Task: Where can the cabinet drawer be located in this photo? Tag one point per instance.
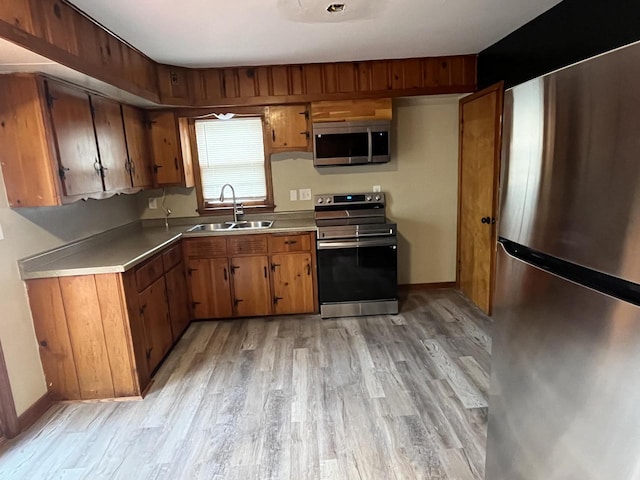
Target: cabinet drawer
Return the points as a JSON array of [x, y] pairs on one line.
[[149, 272], [206, 247], [289, 243], [247, 244], [172, 257]]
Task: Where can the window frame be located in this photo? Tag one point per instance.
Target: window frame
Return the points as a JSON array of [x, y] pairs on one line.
[[207, 208]]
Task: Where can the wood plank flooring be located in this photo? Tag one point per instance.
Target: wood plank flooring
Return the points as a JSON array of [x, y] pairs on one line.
[[297, 397]]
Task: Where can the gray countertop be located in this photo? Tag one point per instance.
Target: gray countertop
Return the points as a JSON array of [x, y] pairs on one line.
[[123, 248]]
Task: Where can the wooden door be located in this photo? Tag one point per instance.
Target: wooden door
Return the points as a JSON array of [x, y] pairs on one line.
[[178, 300], [75, 140], [292, 283], [251, 295], [157, 326], [137, 146], [480, 141], [289, 127], [112, 147], [165, 146], [209, 282]]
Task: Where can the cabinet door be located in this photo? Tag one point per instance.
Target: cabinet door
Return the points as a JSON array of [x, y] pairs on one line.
[[292, 283], [289, 128], [251, 286], [137, 146], [169, 165], [107, 119], [155, 315], [75, 140], [178, 299], [209, 281]]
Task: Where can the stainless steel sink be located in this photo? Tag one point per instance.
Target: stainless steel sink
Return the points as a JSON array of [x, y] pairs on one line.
[[253, 225], [222, 227]]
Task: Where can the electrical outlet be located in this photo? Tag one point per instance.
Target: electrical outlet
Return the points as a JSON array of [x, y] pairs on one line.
[[1, 234], [293, 195], [153, 203], [376, 188], [305, 194]]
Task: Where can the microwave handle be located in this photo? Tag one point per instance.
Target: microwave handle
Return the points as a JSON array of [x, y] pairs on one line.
[[370, 144]]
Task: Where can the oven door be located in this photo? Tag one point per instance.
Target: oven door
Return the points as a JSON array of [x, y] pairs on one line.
[[363, 270]]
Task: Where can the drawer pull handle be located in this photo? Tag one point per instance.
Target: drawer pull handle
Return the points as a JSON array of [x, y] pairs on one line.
[[290, 242]]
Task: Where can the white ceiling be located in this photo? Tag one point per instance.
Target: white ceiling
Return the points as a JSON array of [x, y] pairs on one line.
[[266, 32]]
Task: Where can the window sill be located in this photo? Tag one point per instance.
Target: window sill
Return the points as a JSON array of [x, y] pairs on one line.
[[229, 210]]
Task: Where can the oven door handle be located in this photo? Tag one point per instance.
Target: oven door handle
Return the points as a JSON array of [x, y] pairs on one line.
[[379, 242]]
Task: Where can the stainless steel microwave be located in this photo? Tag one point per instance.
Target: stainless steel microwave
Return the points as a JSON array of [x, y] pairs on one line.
[[351, 143]]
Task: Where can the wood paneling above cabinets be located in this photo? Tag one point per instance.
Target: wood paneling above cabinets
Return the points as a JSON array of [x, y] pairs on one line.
[[315, 82], [56, 30]]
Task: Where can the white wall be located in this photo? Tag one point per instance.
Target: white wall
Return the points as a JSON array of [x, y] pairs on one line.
[[30, 231], [421, 182]]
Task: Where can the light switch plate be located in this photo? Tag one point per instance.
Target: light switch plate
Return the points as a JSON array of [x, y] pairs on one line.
[[153, 203], [305, 194], [1, 233], [293, 195], [376, 188]]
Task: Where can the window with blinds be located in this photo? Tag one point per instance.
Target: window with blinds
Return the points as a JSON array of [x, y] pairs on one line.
[[232, 151]]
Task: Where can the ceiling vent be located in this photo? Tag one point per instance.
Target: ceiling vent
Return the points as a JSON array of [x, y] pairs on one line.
[[317, 11]]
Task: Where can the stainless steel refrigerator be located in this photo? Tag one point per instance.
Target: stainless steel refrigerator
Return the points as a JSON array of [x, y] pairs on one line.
[[565, 385]]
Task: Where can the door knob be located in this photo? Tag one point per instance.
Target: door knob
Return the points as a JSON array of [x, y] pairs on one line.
[[488, 220]]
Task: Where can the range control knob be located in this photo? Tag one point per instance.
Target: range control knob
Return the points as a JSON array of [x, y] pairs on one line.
[[329, 200], [368, 198], [320, 200], [378, 197]]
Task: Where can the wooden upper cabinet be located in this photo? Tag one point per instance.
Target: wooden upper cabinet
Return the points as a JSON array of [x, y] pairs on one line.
[[171, 153], [289, 128], [28, 158], [352, 110], [61, 144], [112, 146], [75, 140], [135, 129]]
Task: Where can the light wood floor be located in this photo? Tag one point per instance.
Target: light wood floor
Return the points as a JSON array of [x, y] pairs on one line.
[[381, 397]]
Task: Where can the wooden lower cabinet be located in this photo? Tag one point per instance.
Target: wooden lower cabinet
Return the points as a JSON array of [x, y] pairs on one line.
[[292, 283], [251, 275], [251, 295], [210, 288], [178, 298], [102, 336], [154, 310]]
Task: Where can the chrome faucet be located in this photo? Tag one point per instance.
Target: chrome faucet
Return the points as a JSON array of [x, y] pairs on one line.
[[238, 211]]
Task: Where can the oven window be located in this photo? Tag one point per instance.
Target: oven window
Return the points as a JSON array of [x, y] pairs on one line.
[[338, 145], [357, 274]]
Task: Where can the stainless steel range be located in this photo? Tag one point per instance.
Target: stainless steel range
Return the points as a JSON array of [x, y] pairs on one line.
[[357, 255]]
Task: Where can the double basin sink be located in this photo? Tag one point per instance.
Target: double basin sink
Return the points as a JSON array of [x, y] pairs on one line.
[[227, 226]]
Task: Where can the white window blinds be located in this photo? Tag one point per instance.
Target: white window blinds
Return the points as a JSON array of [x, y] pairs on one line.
[[232, 151]]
